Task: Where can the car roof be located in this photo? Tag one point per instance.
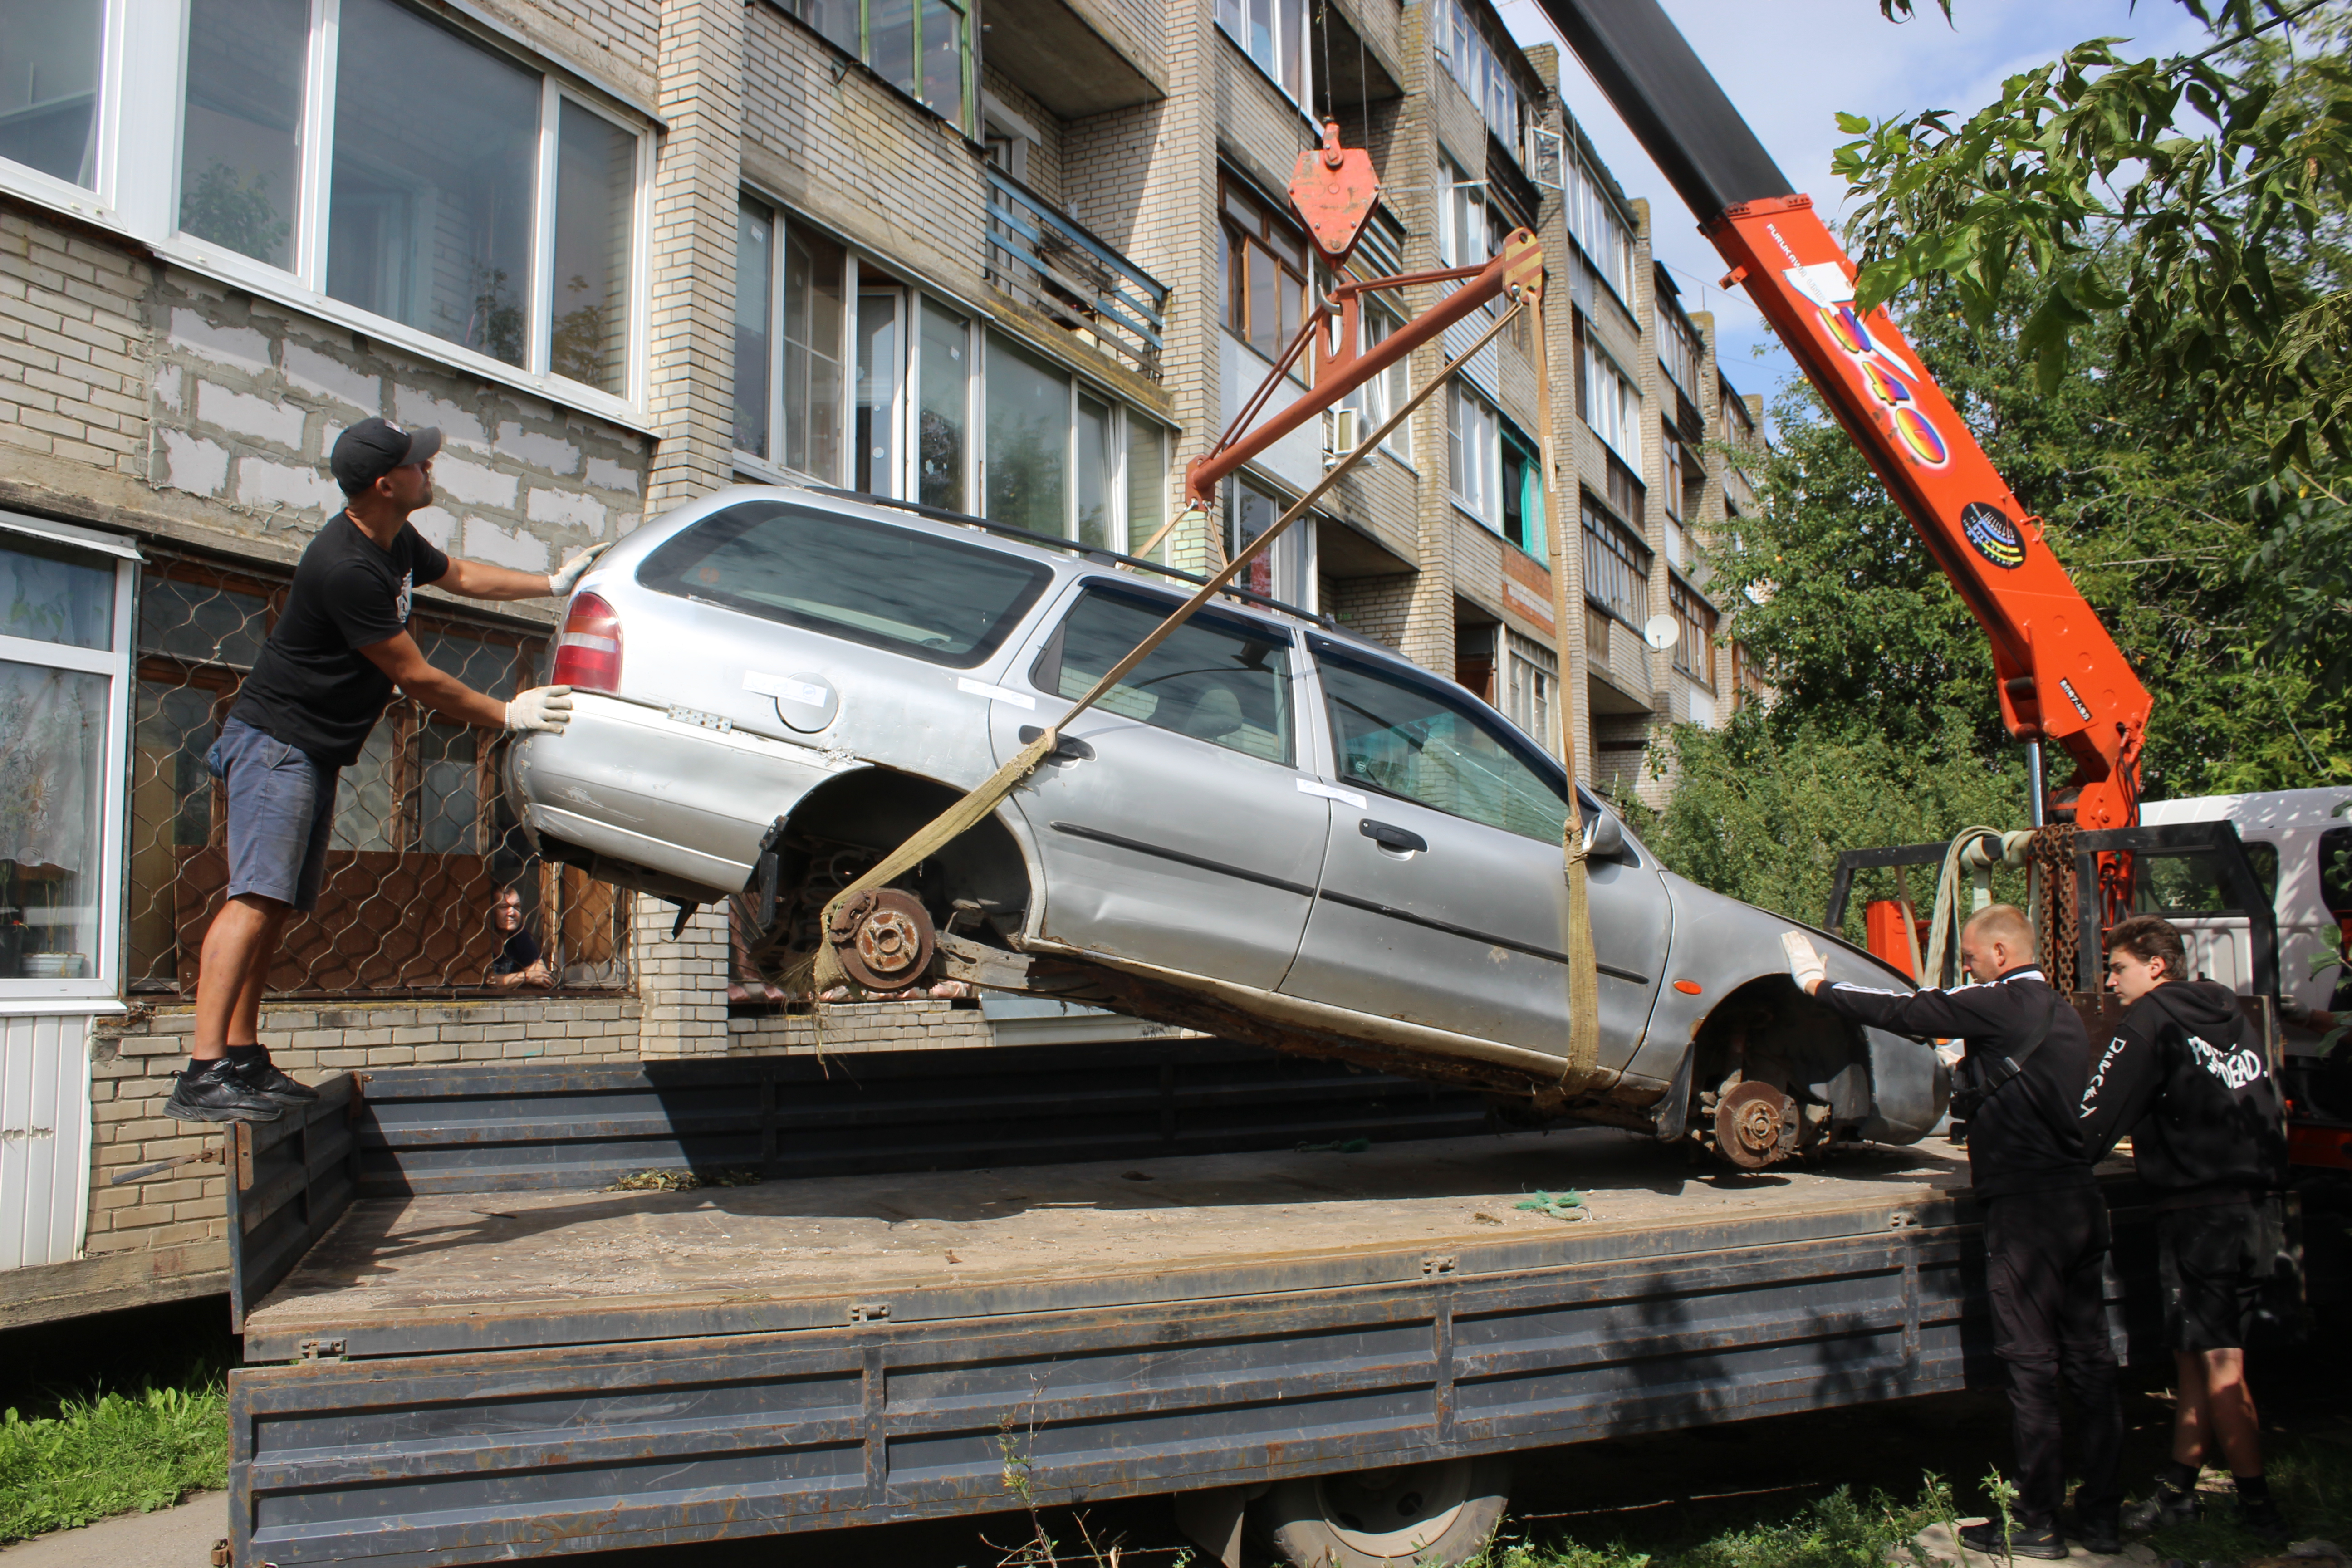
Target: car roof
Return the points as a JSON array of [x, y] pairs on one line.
[[1048, 548], [2271, 808]]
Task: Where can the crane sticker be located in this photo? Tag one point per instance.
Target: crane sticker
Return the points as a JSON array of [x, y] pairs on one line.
[[1994, 535], [1885, 377]]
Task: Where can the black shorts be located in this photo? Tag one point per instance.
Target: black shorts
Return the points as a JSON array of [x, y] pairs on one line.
[[2207, 1258]]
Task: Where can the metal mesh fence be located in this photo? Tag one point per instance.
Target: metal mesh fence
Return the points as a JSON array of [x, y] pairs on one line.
[[424, 846]]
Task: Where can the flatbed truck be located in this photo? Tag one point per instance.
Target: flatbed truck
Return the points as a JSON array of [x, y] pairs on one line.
[[1304, 1299]]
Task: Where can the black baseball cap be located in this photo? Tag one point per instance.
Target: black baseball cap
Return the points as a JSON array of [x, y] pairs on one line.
[[373, 447]]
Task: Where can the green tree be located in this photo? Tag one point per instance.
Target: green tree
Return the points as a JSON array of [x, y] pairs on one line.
[[2176, 223], [1885, 728]]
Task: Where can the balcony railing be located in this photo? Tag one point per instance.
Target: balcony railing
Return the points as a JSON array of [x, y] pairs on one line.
[[1049, 262]]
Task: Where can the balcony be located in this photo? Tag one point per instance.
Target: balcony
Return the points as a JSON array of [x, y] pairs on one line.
[[1049, 262]]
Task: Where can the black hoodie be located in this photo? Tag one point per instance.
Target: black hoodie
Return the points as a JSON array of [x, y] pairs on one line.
[[2187, 1076], [2025, 1138]]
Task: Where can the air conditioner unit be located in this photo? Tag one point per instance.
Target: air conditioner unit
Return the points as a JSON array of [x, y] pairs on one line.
[[1347, 431]]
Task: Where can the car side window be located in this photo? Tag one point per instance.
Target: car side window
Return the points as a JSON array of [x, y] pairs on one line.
[[1219, 678], [1406, 735]]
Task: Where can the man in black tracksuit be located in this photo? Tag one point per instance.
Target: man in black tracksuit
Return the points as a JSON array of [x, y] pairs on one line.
[[2186, 1076], [2045, 1221]]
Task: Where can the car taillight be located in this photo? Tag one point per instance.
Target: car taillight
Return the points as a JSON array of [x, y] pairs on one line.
[[588, 654]]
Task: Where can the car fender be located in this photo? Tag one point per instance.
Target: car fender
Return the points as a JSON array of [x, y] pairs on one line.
[[1885, 1087]]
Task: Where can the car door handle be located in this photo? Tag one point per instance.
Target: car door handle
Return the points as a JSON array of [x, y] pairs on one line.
[[1066, 750], [1389, 837]]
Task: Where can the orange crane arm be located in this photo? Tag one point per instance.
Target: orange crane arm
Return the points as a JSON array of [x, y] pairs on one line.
[[2061, 678]]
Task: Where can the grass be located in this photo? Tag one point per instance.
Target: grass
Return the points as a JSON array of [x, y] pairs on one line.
[[112, 1453], [2311, 1477], [1835, 1532]]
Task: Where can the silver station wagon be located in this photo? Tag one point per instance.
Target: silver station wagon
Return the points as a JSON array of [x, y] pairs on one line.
[[1271, 830]]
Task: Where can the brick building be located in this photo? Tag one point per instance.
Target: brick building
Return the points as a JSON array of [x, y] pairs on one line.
[[1022, 258]]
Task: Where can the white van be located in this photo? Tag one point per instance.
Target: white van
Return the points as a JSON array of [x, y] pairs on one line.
[[2292, 836]]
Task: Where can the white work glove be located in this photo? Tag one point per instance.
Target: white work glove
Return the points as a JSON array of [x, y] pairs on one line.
[[547, 708], [1807, 967], [560, 582]]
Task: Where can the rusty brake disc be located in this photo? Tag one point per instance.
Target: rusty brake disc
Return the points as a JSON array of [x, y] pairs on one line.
[[883, 939]]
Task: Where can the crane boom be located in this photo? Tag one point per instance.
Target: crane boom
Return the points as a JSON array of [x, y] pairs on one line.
[[2060, 677]]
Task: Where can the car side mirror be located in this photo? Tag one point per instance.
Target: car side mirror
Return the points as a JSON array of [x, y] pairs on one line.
[[1605, 839]]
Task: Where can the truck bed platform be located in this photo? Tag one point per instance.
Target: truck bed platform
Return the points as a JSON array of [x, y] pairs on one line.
[[485, 1355]]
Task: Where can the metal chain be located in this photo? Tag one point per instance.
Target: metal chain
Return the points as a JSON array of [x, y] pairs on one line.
[[2059, 911]]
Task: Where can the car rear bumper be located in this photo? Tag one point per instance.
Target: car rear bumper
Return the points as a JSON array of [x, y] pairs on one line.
[[634, 784]]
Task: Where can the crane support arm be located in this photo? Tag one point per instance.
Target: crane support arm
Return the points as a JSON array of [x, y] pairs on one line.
[[2060, 678]]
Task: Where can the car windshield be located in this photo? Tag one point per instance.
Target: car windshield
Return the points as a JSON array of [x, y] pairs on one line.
[[938, 600]]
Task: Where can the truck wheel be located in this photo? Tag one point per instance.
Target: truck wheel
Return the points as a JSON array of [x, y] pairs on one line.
[[1418, 1515]]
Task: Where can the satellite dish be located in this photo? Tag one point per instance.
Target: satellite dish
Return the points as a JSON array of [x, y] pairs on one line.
[[1661, 632]]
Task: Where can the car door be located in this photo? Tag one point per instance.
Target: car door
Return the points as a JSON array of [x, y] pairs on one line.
[[1172, 825], [1444, 899]]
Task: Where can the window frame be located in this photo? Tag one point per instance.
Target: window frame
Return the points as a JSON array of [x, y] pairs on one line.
[[99, 991], [1486, 504], [1117, 493], [142, 87], [1233, 272], [1603, 531], [1233, 22], [1483, 75], [968, 59], [1045, 671], [1696, 623], [1384, 393], [1601, 374]]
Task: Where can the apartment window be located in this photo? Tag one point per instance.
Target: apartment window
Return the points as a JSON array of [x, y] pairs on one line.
[[1282, 571], [1671, 481], [1378, 399], [1603, 232], [1625, 494], [64, 661], [1522, 493], [1065, 460], [942, 444], [467, 198], [1462, 223], [1479, 67], [922, 47], [1611, 405], [1264, 272], [51, 61], [1679, 351], [1531, 687], [1695, 622], [1274, 34], [420, 841], [1616, 566], [1473, 454], [792, 288]]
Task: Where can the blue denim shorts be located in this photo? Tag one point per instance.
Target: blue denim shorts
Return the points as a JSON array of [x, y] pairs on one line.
[[282, 811]]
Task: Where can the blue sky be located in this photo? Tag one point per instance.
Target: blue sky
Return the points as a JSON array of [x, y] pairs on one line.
[[1792, 66]]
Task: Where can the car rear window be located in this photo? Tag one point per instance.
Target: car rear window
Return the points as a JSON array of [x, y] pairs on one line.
[[938, 600], [1219, 678]]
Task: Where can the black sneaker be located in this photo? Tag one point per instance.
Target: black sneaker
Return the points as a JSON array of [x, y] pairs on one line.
[[2019, 1540], [2099, 1531], [2164, 1509], [264, 1078], [213, 1093], [2263, 1521]]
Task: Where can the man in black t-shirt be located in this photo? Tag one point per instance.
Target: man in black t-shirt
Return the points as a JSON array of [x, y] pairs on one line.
[[339, 649], [2045, 1229]]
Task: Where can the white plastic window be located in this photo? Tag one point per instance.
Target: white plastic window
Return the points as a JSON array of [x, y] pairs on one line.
[[65, 663]]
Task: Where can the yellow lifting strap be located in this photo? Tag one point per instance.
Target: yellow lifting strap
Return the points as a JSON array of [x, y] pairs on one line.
[[1583, 982], [1583, 965]]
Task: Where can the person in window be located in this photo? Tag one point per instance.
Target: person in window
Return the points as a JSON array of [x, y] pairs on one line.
[[520, 962], [2045, 1232], [332, 661], [2186, 1076]]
